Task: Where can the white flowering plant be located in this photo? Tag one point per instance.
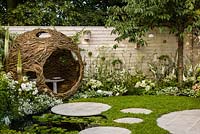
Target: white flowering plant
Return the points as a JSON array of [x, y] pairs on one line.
[[119, 90], [146, 86], [94, 84], [107, 83], [22, 98], [169, 91]]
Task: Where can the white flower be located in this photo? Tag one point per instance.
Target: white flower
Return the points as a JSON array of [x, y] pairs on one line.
[[117, 94], [23, 86], [143, 84], [184, 78], [147, 88], [16, 82], [163, 70], [35, 92], [152, 84], [94, 84], [25, 78], [6, 120], [137, 84], [99, 91], [109, 93]]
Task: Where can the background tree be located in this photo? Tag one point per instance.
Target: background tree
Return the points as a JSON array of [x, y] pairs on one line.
[[94, 12], [3, 7], [43, 12], [137, 17], [57, 12]]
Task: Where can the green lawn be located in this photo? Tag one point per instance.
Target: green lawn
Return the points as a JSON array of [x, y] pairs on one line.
[[158, 104]]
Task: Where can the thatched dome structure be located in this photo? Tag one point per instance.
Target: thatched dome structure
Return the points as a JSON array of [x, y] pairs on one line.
[[48, 54]]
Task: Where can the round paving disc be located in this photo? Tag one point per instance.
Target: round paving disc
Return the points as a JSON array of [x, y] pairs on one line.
[[136, 111], [128, 120], [80, 109], [181, 122], [105, 130]]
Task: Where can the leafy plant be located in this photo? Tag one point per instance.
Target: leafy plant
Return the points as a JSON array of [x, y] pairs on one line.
[[10, 131], [76, 37], [144, 87], [57, 123], [162, 67], [169, 91], [38, 129], [22, 99]]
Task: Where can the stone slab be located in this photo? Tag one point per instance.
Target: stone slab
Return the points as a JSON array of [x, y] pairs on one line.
[[128, 120], [80, 109], [136, 111], [105, 130], [181, 122]]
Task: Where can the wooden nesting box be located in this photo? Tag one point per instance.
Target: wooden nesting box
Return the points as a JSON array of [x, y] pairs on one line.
[[48, 54]]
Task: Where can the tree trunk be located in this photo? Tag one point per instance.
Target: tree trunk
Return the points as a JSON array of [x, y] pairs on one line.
[[180, 60]]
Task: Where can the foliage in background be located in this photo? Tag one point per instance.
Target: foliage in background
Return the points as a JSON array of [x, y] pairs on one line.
[[54, 12], [43, 13], [3, 10]]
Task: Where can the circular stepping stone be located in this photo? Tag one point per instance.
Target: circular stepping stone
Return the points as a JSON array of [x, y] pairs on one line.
[[128, 120], [181, 122], [80, 109], [105, 130], [136, 111]]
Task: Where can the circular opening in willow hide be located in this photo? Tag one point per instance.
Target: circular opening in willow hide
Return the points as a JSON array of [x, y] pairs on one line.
[[61, 64], [43, 34]]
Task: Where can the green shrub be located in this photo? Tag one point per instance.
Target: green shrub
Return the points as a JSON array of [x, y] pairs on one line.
[[38, 129], [8, 131], [18, 100]]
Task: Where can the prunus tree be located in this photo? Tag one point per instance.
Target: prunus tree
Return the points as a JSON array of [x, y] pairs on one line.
[[137, 17]]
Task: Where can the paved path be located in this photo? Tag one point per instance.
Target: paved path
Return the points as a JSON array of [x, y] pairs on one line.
[[181, 122]]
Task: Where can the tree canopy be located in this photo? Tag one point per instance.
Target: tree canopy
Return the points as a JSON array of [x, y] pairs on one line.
[[56, 12], [3, 7], [137, 17]]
